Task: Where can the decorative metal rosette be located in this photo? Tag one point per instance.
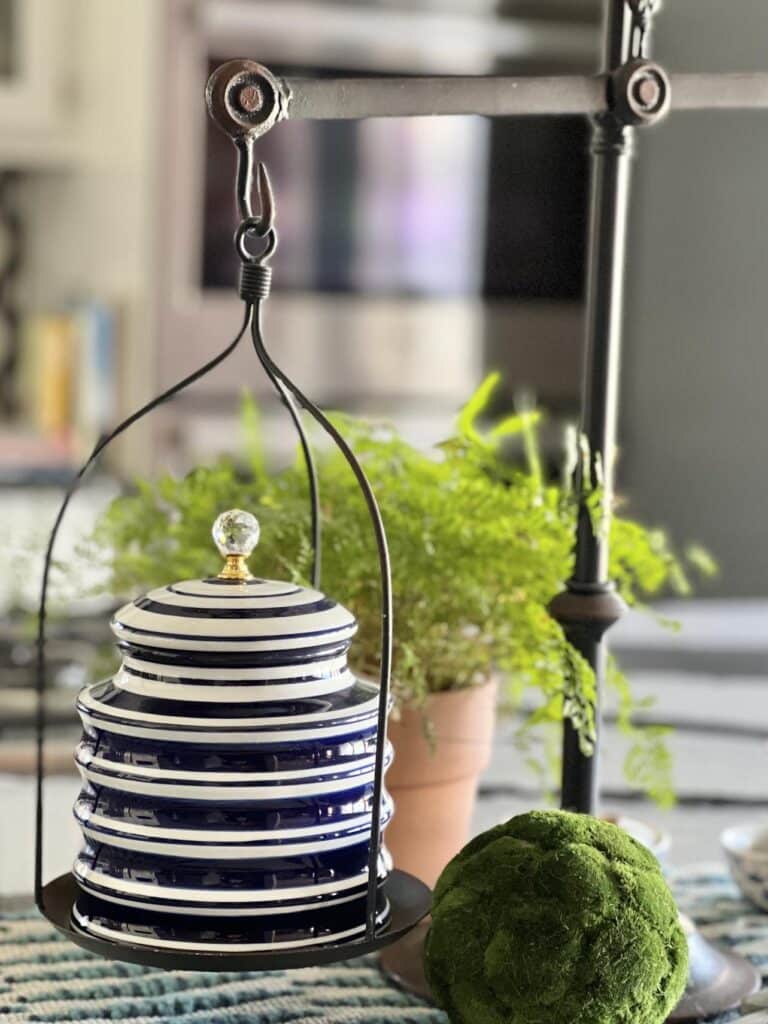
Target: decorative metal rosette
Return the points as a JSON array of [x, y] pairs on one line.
[[229, 768]]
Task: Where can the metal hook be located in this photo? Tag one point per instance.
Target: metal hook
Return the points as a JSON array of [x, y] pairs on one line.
[[260, 224], [642, 14], [264, 220]]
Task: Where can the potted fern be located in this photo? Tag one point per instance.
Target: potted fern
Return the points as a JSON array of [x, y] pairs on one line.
[[480, 544]]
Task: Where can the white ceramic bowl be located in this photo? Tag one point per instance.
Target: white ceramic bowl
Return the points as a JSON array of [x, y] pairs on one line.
[[746, 850]]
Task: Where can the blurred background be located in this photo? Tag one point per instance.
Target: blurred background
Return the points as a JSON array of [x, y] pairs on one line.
[[407, 246]]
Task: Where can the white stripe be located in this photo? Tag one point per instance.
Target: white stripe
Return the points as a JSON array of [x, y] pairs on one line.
[[188, 643], [362, 712], [252, 736], [320, 668], [132, 617], [82, 756], [219, 694], [287, 599], [264, 588], [208, 794]]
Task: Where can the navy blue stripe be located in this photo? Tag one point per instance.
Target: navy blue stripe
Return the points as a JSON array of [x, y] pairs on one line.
[[331, 811], [240, 844], [206, 612], [250, 755], [331, 918], [190, 681], [241, 638], [273, 877], [234, 659], [344, 705], [313, 729]]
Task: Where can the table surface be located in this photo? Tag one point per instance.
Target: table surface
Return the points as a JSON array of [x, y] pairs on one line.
[[46, 980]]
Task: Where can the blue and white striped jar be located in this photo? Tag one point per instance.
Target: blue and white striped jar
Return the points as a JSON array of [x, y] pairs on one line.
[[228, 768]]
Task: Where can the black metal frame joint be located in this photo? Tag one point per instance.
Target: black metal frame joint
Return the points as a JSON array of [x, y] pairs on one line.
[[639, 93], [587, 610]]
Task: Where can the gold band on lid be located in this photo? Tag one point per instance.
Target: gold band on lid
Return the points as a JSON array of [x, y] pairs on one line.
[[235, 568], [236, 534]]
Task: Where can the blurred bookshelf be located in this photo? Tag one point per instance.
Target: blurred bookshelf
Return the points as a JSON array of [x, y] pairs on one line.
[[65, 393]]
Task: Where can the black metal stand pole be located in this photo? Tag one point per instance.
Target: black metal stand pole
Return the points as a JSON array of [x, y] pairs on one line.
[[590, 605]]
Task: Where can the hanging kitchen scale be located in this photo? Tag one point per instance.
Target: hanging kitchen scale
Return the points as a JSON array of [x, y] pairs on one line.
[[233, 802]]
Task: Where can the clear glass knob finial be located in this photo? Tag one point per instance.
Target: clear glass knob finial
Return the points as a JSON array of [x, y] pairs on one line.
[[236, 534]]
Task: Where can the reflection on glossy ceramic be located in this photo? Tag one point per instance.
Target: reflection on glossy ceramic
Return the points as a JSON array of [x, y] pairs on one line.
[[228, 772]]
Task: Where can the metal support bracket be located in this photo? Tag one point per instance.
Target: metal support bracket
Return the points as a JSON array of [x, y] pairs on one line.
[[639, 93]]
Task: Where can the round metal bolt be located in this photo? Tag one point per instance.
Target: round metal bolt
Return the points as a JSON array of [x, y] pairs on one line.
[[640, 92], [647, 92], [245, 98], [250, 98]]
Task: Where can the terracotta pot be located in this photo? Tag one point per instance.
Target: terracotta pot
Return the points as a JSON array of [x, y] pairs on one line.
[[434, 785]]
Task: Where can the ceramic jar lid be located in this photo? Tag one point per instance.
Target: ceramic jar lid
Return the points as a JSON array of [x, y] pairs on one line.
[[235, 639], [234, 613]]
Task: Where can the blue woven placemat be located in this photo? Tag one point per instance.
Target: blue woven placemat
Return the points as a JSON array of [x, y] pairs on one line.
[[46, 980]]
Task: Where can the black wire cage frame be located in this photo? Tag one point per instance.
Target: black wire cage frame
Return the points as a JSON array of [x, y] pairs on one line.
[[247, 100], [408, 898]]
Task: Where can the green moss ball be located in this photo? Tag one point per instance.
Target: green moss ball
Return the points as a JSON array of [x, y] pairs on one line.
[[555, 918]]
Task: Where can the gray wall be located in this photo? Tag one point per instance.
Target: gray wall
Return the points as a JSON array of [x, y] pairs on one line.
[[695, 419]]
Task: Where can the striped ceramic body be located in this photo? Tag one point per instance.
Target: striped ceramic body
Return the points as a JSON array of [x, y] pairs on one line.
[[228, 773]]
